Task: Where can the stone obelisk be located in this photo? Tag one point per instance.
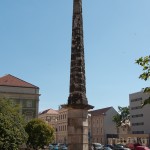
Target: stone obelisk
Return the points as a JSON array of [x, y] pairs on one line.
[[77, 102]]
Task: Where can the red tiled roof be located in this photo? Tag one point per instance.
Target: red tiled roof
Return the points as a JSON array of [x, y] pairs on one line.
[[49, 111], [100, 111], [9, 80]]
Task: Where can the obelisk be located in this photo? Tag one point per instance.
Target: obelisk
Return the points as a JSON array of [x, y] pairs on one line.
[[77, 101]]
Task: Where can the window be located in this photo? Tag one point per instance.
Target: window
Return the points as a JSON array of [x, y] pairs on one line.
[[138, 115], [136, 99], [138, 124], [138, 132], [29, 103], [65, 127], [137, 107], [101, 130], [28, 116], [48, 118]]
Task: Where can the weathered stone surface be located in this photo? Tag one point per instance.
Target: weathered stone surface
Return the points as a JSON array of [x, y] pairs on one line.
[[77, 129], [78, 113], [77, 71]]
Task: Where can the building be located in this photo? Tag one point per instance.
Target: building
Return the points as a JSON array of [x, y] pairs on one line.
[[21, 92], [62, 131], [139, 116], [101, 126], [58, 119], [51, 117]]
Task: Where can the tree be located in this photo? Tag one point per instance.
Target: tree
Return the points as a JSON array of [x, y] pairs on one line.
[[40, 133], [122, 118], [12, 132], [144, 62]]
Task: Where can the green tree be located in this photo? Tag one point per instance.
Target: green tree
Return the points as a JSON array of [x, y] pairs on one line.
[[144, 62], [122, 118], [117, 120], [40, 133], [12, 132]]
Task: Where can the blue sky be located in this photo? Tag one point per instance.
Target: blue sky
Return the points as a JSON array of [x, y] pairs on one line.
[[35, 45]]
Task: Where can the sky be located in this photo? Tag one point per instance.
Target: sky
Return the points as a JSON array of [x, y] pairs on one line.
[[35, 46]]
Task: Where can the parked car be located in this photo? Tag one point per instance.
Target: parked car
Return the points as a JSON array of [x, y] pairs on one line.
[[97, 146], [55, 147], [142, 148], [106, 148], [51, 147], [120, 147], [109, 145], [63, 147], [130, 145]]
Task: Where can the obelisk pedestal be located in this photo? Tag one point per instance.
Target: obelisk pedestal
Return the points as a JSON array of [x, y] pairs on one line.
[[77, 129]]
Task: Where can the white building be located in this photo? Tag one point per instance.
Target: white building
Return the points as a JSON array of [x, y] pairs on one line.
[[139, 116]]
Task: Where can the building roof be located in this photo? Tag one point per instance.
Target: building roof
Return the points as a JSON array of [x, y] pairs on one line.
[[49, 111], [100, 111], [9, 80]]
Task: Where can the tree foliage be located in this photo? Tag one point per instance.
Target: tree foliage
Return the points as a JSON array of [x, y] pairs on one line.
[[122, 116], [12, 132], [40, 133], [144, 62], [117, 120]]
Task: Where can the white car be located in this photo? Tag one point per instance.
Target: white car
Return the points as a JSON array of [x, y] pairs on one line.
[[97, 146]]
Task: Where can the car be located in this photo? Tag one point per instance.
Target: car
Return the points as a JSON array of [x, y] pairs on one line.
[[55, 147], [142, 148], [130, 145], [97, 146], [63, 147], [120, 147], [109, 145], [51, 147], [106, 148]]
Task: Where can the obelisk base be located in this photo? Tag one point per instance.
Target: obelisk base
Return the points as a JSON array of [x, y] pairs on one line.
[[77, 129]]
